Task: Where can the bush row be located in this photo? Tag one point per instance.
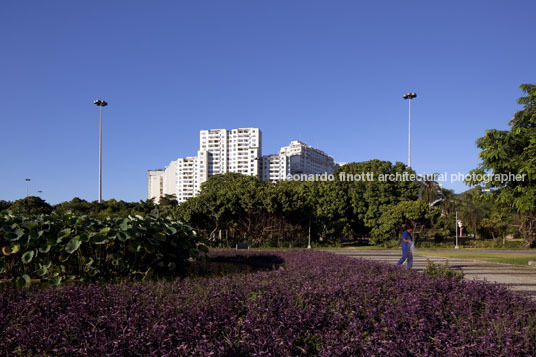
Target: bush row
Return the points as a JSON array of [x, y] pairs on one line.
[[53, 248]]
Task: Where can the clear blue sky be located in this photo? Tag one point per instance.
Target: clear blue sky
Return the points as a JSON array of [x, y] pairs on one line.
[[329, 73]]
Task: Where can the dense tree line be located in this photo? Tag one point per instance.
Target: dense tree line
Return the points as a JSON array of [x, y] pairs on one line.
[[33, 205], [350, 207]]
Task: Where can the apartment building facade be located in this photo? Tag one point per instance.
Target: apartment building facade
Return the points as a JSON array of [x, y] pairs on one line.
[[294, 159], [220, 151], [239, 151], [155, 184]]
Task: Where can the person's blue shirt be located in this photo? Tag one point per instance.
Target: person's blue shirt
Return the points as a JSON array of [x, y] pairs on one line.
[[406, 235]]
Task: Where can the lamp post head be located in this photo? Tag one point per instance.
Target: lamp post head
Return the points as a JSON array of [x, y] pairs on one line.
[[100, 103], [409, 95], [27, 180]]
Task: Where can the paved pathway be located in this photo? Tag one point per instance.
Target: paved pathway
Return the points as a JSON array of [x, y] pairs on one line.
[[517, 277]]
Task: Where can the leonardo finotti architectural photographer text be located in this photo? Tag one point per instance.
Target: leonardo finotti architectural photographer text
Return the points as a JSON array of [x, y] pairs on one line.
[[444, 177]]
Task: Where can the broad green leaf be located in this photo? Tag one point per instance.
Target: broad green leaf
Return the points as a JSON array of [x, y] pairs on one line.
[[125, 224], [55, 281], [28, 256], [122, 236], [64, 233], [15, 248], [30, 224], [72, 246], [45, 249], [11, 236], [99, 240], [24, 281], [42, 271], [172, 230]]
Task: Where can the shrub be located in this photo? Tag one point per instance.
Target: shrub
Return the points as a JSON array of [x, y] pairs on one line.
[[52, 248], [436, 271], [392, 243]]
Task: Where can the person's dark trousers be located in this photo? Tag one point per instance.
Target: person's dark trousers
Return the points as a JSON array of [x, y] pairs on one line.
[[406, 254]]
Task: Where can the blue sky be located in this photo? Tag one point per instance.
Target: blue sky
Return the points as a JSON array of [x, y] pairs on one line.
[[329, 73]]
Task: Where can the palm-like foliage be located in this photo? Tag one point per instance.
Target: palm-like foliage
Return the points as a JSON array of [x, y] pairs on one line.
[[449, 202], [473, 209], [431, 191]]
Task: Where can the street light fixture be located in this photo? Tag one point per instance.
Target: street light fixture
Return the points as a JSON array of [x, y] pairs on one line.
[[309, 237], [27, 185], [101, 103], [409, 96], [456, 227]]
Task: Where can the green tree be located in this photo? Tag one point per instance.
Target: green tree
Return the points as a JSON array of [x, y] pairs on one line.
[[230, 202], [513, 152], [425, 220], [473, 209], [4, 205], [31, 205], [369, 195], [430, 191], [449, 202], [166, 205], [498, 222], [76, 206]]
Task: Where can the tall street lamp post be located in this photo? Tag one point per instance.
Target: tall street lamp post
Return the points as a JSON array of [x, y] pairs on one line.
[[457, 247], [409, 96], [309, 237], [101, 103], [27, 185]]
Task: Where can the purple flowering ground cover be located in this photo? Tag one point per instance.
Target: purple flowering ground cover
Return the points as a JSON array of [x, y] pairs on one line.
[[316, 303]]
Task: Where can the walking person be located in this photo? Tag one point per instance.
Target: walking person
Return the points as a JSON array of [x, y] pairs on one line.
[[407, 253]]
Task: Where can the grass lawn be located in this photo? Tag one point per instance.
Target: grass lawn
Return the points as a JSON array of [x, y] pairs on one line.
[[507, 258]]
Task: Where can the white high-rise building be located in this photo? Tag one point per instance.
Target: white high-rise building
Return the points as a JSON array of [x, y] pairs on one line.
[[202, 168], [273, 167], [155, 184], [304, 159], [187, 185], [215, 142], [169, 180], [297, 158], [238, 151], [220, 151], [244, 151]]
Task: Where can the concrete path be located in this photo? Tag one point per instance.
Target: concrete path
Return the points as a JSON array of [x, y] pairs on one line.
[[516, 277]]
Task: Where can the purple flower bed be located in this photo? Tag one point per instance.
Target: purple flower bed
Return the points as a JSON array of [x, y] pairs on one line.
[[315, 304]]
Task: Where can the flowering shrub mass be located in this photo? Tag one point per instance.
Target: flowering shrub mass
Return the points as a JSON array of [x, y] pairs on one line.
[[316, 303]]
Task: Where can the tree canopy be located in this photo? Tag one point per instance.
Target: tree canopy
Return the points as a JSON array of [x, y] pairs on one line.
[[508, 162]]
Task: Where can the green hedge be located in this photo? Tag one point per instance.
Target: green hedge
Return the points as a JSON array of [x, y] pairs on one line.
[[54, 248]]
